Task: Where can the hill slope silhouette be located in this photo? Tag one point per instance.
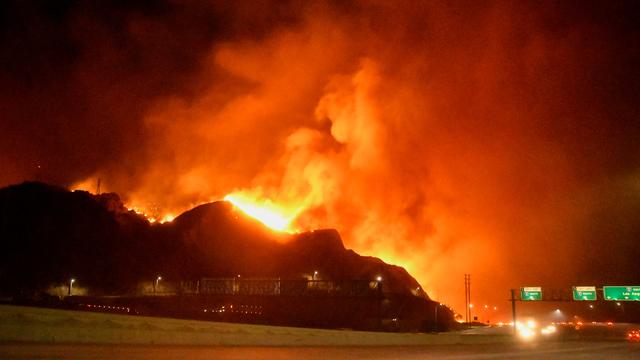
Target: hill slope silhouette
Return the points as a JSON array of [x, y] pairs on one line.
[[49, 234]]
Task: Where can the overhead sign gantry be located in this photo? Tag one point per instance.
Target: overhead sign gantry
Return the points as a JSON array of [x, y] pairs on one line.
[[621, 293], [584, 293], [531, 293]]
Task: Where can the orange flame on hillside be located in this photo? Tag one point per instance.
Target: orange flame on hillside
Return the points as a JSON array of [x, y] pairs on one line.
[[89, 185], [274, 216]]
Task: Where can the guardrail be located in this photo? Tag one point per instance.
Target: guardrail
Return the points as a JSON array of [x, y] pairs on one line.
[[279, 287]]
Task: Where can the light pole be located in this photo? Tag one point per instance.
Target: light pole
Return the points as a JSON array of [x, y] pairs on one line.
[[381, 295], [155, 287], [71, 285], [315, 275], [485, 317]]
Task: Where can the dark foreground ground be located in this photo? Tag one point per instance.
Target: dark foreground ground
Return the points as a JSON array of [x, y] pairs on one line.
[[547, 350], [33, 333]]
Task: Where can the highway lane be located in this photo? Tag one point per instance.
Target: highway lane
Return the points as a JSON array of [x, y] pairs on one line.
[[534, 350]]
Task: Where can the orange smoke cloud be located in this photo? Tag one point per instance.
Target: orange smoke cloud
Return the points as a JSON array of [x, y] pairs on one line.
[[449, 139]]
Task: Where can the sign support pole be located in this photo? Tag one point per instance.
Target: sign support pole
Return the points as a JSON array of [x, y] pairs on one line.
[[513, 310]]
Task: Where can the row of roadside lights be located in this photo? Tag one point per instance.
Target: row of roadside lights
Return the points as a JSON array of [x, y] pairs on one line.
[[72, 281], [486, 307], [315, 276]]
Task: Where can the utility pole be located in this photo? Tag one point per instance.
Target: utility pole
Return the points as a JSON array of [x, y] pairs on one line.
[[469, 292], [467, 297], [466, 300]]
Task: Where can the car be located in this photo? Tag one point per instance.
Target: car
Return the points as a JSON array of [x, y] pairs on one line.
[[633, 335]]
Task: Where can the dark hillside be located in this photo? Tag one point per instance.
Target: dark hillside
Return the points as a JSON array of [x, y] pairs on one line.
[[49, 235]]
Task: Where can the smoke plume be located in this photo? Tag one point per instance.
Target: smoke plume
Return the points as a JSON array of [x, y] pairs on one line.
[[496, 139]]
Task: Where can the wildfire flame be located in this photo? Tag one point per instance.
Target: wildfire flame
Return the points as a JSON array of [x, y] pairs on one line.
[[167, 218], [89, 185], [274, 216], [152, 219]]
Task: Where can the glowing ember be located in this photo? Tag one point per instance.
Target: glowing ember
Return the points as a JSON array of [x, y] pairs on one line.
[[152, 219], [274, 216], [90, 185], [141, 212], [167, 218]]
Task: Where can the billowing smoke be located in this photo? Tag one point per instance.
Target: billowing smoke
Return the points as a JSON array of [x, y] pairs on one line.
[[497, 139]]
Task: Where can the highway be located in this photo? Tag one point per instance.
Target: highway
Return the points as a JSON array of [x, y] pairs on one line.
[[35, 333], [549, 350]]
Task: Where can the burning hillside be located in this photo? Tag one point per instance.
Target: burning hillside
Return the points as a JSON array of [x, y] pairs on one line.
[[96, 240]]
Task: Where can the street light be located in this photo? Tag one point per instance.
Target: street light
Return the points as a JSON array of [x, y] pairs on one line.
[[379, 278], [156, 286], [71, 285], [315, 275], [558, 314]]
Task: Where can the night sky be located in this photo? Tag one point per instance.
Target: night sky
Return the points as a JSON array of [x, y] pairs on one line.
[[500, 139]]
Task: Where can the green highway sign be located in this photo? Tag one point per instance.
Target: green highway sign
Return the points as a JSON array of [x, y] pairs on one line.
[[621, 293], [584, 293], [531, 293]]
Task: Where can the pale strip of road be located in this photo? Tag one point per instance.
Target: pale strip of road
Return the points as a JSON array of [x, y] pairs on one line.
[[550, 350]]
